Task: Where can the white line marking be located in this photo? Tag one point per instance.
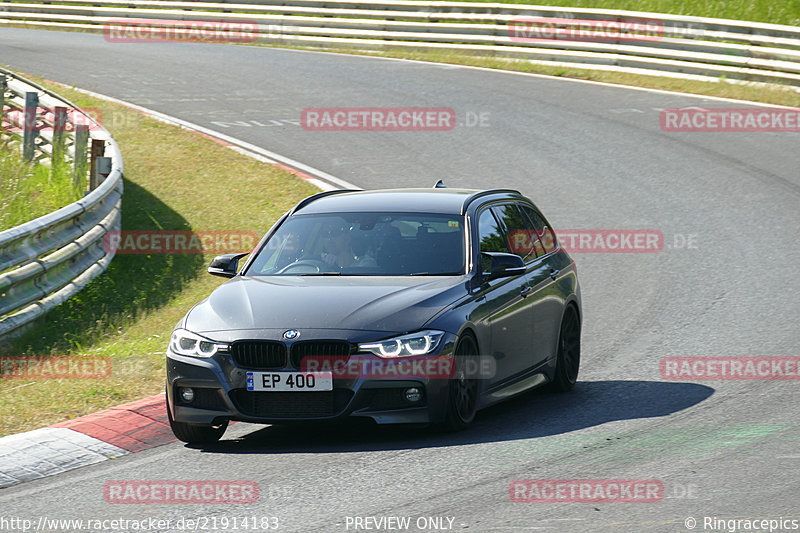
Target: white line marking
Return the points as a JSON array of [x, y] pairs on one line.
[[549, 77], [271, 157]]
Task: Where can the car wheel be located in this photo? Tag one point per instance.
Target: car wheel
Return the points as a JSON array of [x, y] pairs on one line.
[[463, 391], [194, 434], [568, 359]]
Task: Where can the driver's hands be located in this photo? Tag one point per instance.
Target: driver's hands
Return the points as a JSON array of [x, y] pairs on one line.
[[328, 259]]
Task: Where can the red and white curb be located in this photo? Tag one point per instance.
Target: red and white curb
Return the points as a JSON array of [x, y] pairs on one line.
[[107, 434]]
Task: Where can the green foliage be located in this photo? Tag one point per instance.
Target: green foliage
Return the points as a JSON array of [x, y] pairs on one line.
[[30, 190], [780, 12]]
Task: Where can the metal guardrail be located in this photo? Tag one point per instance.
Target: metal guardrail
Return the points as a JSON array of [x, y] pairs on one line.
[[683, 46], [45, 261]]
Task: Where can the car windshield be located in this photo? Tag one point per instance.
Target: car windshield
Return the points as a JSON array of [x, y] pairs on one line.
[[364, 244]]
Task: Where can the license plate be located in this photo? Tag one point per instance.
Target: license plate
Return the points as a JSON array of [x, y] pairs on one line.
[[290, 381]]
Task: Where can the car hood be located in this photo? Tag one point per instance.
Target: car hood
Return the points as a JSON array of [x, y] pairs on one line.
[[386, 304]]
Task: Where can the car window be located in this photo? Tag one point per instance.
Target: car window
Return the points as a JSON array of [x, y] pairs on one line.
[[490, 237], [490, 234], [545, 233], [522, 240], [383, 244]]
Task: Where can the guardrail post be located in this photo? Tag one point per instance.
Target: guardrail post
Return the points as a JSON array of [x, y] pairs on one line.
[[3, 88], [102, 168], [59, 126], [79, 163], [98, 149], [29, 127]]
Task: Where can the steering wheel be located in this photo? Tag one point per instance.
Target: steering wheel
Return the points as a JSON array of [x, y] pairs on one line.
[[304, 266]]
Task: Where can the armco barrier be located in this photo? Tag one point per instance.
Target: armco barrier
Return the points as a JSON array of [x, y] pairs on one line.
[[45, 261], [674, 45]]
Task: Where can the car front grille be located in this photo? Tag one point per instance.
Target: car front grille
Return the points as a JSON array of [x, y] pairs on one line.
[[259, 355], [291, 404], [337, 349]]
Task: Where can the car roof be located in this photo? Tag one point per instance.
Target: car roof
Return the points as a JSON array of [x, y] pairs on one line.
[[434, 200]]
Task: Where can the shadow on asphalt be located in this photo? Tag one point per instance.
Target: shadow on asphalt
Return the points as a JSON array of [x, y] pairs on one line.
[[531, 415]]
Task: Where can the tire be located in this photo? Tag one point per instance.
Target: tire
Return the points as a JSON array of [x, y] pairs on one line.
[[462, 400], [568, 359], [194, 434]]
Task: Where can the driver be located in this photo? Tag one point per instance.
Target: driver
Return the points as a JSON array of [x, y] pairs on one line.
[[338, 248]]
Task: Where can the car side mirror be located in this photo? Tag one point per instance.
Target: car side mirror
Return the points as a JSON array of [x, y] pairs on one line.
[[503, 265], [225, 265]]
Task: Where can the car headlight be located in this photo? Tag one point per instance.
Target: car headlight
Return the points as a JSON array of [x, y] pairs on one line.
[[412, 344], [184, 342]]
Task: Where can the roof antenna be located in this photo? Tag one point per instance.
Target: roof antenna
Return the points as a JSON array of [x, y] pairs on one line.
[[440, 185]]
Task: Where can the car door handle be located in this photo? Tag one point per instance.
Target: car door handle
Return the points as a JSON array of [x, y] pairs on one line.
[[554, 273], [525, 291]]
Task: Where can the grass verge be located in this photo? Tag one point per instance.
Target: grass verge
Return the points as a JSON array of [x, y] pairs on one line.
[[30, 190], [174, 180], [780, 12]]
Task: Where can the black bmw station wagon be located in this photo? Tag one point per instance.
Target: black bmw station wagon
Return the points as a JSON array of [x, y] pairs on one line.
[[416, 306]]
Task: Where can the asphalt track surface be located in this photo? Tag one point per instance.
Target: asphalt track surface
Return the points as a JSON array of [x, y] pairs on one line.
[[591, 157]]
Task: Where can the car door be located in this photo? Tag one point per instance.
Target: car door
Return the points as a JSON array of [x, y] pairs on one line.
[[543, 271], [504, 306], [524, 241]]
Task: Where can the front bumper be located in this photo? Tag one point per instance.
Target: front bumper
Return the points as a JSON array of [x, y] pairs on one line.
[[220, 393]]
